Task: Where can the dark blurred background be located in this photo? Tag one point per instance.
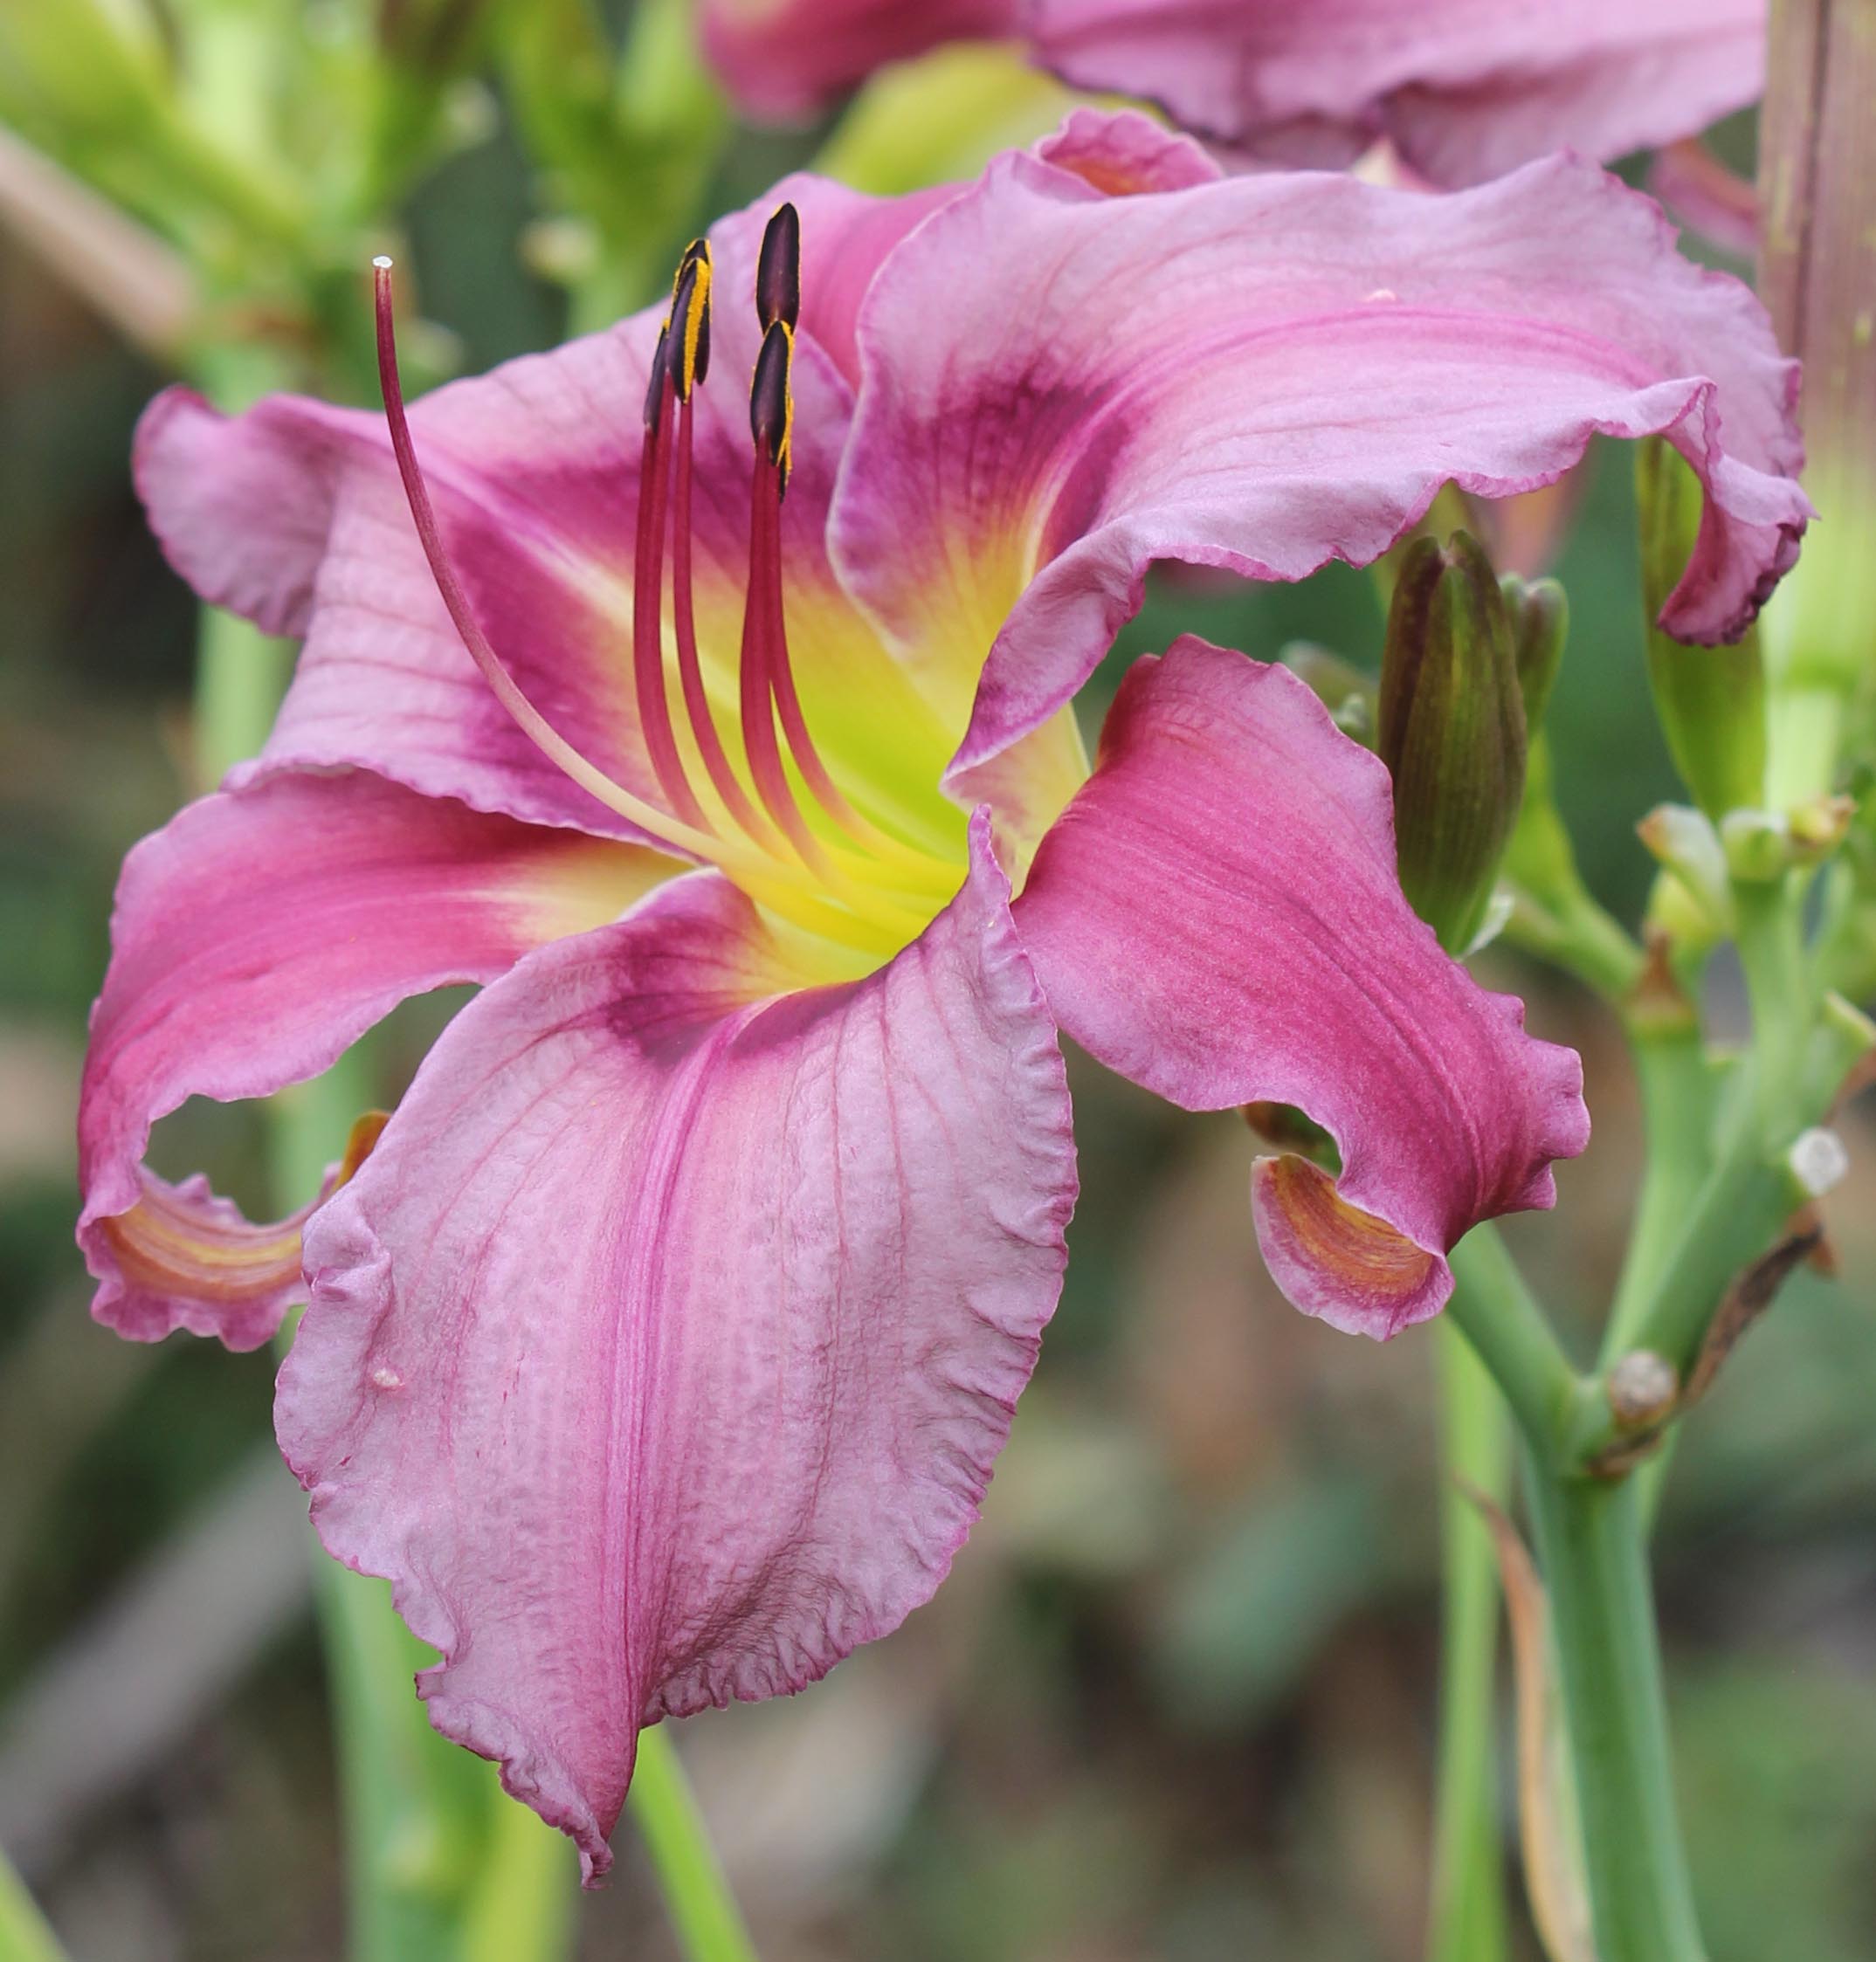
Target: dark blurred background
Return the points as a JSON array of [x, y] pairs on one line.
[[1176, 1699]]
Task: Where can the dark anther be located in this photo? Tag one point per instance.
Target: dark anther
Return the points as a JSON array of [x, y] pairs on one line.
[[778, 270], [654, 392], [690, 321], [771, 410]]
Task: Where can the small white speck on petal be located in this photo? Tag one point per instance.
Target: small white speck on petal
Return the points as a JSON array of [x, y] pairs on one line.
[[387, 1378], [1383, 292], [1817, 1160]]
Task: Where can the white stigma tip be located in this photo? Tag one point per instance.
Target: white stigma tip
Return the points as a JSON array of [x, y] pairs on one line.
[[382, 261], [1817, 1160]]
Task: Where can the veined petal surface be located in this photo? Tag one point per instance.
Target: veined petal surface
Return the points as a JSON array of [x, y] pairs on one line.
[[661, 1352], [1217, 917], [1466, 89], [1264, 373], [255, 937]]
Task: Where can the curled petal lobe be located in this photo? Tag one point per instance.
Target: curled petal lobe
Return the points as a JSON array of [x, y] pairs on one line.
[[1264, 373], [1124, 155], [1217, 917], [660, 1352], [1466, 89], [255, 938]]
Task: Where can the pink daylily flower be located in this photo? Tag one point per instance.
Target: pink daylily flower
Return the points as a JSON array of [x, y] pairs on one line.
[[1464, 89], [661, 1351]]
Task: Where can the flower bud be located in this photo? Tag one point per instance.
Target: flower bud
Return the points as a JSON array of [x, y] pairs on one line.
[[1684, 842], [1540, 625], [1711, 700], [1451, 730]]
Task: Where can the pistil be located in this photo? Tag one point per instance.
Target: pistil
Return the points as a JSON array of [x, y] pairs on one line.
[[864, 888]]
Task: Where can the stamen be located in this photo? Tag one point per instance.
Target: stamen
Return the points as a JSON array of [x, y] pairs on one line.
[[648, 592], [772, 403], [778, 270], [690, 319], [757, 686], [772, 422], [647, 817], [690, 668], [882, 926]]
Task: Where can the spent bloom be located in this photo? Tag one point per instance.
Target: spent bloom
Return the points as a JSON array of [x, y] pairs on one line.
[[1464, 89], [661, 1350]]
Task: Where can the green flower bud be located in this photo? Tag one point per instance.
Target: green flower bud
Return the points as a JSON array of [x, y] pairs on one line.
[[1451, 730], [1711, 700], [1684, 841], [1540, 625]]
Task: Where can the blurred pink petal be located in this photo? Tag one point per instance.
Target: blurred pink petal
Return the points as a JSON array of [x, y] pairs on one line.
[[1466, 89], [787, 59]]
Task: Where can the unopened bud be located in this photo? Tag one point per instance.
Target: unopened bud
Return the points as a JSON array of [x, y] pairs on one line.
[[1642, 1389], [1711, 700], [1540, 623], [1452, 732], [1685, 842]]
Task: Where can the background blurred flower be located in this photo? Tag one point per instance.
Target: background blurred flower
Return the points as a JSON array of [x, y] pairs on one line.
[[1465, 90]]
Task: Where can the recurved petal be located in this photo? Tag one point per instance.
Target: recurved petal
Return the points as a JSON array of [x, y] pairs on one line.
[[255, 938], [1467, 89], [1217, 917], [1264, 373], [660, 1352]]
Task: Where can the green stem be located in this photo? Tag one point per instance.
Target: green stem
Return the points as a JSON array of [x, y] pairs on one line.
[[709, 1922], [25, 1935], [1677, 1112], [1745, 1198], [1511, 1336], [1592, 1544], [1468, 1920]]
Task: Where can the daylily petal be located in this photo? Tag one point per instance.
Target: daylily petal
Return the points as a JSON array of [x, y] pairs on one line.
[[1124, 155], [255, 938], [1264, 374], [292, 514], [1217, 917], [1467, 89], [660, 1352], [789, 57]]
